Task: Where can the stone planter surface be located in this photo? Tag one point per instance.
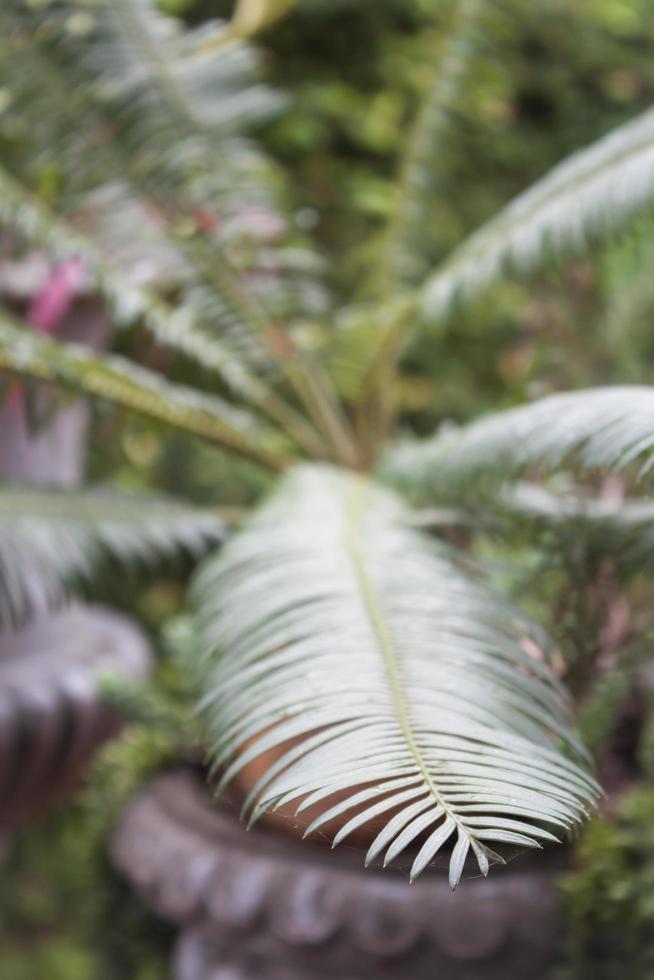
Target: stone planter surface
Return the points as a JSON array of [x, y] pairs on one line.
[[262, 906], [52, 717]]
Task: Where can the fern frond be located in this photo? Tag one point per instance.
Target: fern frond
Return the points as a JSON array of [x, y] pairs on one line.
[[54, 543], [117, 380], [179, 100], [163, 110], [330, 629], [128, 303], [595, 429], [622, 530], [419, 176], [167, 108], [581, 202]]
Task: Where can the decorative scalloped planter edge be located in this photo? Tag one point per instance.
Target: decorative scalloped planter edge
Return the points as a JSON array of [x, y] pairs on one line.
[[261, 906]]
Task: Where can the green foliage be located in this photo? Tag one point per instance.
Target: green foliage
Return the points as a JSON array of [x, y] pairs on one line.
[[583, 201], [605, 428], [64, 912], [330, 575], [344, 578], [134, 388], [54, 543], [608, 901]]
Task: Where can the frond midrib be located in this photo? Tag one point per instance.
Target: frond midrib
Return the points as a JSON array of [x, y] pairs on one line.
[[384, 637], [74, 508]]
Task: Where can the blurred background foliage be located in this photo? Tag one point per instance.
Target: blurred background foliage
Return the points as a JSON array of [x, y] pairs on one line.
[[546, 78]]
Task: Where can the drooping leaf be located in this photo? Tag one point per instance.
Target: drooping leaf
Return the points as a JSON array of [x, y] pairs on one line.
[[331, 629], [54, 543], [119, 381], [127, 302]]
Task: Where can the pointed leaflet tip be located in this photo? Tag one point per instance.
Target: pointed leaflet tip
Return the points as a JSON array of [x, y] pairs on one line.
[[458, 858], [482, 855]]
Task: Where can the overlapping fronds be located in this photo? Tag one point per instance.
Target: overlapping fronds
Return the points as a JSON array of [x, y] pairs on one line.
[[178, 100], [161, 111], [54, 543], [596, 429], [622, 530], [119, 381], [581, 202], [127, 303], [332, 630]]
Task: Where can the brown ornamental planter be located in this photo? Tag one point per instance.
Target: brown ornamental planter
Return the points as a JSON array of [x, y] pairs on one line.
[[260, 906]]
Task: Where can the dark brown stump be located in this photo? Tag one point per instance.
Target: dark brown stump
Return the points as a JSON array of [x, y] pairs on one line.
[[262, 906]]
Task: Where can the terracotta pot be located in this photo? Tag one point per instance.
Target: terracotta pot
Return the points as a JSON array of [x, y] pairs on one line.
[[287, 821], [259, 905]]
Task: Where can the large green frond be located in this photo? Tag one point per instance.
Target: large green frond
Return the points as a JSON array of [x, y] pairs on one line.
[[332, 629], [162, 110], [600, 428], [421, 176], [127, 303], [54, 543], [119, 381], [584, 200]]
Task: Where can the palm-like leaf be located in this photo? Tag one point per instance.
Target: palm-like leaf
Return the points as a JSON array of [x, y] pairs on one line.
[[622, 530], [137, 389], [127, 303], [53, 543], [410, 687], [600, 428], [421, 180], [581, 202], [162, 110]]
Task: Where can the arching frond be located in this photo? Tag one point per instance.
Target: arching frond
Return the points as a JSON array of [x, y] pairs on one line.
[[54, 543], [584, 200], [163, 110], [128, 303], [426, 146], [119, 381], [331, 629], [600, 428], [179, 100], [167, 107]]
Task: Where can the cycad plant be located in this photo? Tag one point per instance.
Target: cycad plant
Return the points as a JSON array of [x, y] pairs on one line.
[[338, 634]]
